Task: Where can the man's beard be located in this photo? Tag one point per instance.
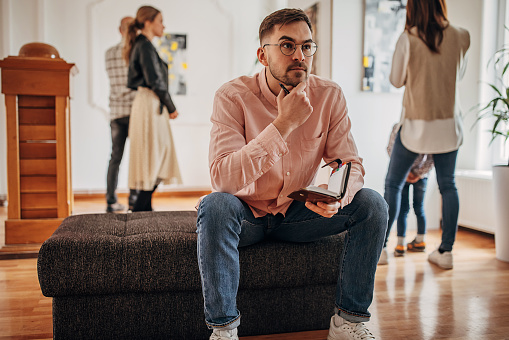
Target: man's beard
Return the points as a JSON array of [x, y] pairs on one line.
[[285, 78]]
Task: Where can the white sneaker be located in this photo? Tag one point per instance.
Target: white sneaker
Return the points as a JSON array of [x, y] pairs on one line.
[[383, 257], [224, 334], [340, 329], [443, 260]]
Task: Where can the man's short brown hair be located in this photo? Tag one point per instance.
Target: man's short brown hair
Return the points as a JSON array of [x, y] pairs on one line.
[[281, 18]]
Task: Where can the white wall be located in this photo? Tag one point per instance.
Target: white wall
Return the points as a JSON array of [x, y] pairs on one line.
[[222, 42], [469, 14]]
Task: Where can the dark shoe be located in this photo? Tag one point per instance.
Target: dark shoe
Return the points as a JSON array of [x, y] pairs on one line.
[[416, 247], [114, 207]]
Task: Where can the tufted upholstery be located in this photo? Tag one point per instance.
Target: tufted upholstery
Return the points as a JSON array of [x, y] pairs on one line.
[[135, 276]]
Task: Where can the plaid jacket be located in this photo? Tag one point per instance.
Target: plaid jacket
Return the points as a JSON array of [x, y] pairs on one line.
[[121, 97]]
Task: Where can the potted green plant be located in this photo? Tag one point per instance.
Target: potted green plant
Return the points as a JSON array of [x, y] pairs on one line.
[[497, 111]]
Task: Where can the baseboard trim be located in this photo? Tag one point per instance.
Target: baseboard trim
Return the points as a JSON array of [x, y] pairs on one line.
[[19, 251], [158, 193]]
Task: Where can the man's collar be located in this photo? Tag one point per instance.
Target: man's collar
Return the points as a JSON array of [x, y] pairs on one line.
[[264, 87]]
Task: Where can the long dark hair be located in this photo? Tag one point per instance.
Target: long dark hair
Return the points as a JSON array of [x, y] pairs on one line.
[[143, 14], [427, 16]]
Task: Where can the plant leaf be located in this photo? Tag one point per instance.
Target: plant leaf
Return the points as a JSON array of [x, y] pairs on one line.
[[496, 89], [505, 69]]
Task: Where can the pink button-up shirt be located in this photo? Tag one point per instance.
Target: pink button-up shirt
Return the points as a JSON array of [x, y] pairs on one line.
[[248, 157]]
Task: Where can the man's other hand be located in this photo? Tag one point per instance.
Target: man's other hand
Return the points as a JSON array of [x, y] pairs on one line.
[[322, 208]]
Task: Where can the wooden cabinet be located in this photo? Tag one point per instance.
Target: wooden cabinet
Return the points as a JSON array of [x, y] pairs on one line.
[[37, 89]]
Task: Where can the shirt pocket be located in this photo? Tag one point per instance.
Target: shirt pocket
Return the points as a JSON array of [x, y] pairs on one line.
[[311, 154], [311, 144]]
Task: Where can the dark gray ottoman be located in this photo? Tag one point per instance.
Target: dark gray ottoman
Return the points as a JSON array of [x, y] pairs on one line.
[[135, 276]]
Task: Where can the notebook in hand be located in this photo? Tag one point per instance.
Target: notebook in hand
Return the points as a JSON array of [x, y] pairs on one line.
[[338, 182]]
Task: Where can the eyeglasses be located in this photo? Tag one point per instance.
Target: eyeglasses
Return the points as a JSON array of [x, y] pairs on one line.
[[289, 47]]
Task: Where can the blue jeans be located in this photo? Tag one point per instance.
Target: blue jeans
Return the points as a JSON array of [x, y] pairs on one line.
[[445, 164], [226, 223], [119, 133], [418, 204]]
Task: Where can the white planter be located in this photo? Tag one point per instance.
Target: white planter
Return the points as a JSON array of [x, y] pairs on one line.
[[501, 190]]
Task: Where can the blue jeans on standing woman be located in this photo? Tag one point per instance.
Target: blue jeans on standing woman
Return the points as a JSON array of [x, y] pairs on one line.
[[419, 189], [225, 223], [445, 165]]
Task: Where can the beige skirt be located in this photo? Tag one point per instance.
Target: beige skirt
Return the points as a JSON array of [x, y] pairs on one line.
[[152, 157]]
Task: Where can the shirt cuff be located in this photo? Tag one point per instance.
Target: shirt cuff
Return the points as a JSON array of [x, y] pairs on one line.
[[272, 142]]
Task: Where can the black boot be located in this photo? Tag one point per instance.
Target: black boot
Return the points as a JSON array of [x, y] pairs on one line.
[[144, 200]]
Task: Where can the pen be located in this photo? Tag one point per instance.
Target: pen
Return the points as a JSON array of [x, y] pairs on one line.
[[284, 88], [340, 163]]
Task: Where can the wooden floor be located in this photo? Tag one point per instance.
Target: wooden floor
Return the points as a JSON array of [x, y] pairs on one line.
[[413, 299]]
